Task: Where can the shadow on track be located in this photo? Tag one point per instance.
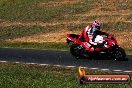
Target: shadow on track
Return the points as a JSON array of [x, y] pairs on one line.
[[64, 58]]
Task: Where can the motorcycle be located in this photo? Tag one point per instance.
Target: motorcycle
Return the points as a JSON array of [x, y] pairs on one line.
[[108, 48]]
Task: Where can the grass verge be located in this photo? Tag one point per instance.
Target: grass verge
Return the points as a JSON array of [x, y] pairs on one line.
[[34, 76], [35, 10], [17, 31], [10, 32], [44, 45]]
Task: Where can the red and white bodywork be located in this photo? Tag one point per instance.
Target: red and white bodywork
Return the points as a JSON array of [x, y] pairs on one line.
[[79, 48]]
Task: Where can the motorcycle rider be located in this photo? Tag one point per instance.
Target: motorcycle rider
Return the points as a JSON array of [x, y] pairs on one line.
[[89, 34]]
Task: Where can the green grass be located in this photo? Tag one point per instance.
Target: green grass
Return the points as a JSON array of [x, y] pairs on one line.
[[33, 10], [34, 76], [36, 10], [105, 26], [129, 18], [10, 32], [128, 51], [126, 5], [17, 31], [117, 26], [44, 45]]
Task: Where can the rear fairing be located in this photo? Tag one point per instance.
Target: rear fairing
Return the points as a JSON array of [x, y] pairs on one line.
[[73, 38]]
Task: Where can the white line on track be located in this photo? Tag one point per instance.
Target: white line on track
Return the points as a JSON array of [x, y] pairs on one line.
[[104, 69], [94, 68], [117, 70], [68, 66], [43, 64], [58, 65], [30, 63], [127, 71], [17, 62], [3, 61]]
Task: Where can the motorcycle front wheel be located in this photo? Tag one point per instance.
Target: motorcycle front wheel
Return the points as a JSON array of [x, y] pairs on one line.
[[119, 54]]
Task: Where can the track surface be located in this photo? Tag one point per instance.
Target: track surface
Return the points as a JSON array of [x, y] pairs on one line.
[[63, 58]]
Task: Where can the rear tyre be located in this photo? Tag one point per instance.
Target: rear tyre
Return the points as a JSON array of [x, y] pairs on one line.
[[74, 50]]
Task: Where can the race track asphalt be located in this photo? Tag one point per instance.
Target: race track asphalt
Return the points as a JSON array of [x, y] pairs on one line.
[[63, 58]]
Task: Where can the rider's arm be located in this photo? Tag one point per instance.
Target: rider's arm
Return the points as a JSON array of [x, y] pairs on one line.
[[98, 33]]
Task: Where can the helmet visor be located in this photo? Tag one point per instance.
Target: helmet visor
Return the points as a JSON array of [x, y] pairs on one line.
[[97, 27]]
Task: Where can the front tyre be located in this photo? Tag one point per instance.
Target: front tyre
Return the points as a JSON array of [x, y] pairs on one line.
[[119, 54]]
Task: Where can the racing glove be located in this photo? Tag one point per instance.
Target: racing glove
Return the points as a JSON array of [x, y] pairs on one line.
[[101, 44]]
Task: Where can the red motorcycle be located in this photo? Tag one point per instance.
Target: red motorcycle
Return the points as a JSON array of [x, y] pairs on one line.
[[108, 48]]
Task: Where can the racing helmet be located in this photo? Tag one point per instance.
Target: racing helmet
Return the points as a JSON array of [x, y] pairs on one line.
[[96, 25]]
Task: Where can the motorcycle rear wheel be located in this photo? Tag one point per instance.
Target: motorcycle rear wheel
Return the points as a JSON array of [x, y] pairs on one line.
[[74, 50]]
